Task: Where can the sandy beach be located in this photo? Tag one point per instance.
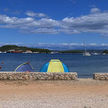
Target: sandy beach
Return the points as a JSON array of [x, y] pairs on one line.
[[83, 93]]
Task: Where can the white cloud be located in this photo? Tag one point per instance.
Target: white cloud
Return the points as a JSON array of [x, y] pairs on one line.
[[95, 22], [95, 10], [45, 31], [30, 25], [104, 44], [33, 14], [93, 44]]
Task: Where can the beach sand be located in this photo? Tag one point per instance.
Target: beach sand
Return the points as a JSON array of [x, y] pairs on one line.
[[83, 93]]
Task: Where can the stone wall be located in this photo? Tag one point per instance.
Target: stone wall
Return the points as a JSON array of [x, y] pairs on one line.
[[37, 76], [100, 76]]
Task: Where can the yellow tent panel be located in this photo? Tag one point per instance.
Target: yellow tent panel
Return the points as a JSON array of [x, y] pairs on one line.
[[55, 65]]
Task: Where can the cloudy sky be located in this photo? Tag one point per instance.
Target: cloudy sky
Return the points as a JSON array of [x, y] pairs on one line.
[[65, 22]]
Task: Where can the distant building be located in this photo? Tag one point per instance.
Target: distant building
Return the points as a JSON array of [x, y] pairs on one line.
[[19, 51], [36, 52], [10, 51], [14, 51], [28, 51]]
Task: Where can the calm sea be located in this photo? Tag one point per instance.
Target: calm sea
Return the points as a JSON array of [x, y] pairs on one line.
[[83, 65]]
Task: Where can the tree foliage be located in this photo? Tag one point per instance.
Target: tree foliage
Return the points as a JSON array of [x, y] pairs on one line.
[[72, 51], [16, 48]]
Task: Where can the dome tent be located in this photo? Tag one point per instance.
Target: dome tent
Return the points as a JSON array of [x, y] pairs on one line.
[[54, 65], [24, 67]]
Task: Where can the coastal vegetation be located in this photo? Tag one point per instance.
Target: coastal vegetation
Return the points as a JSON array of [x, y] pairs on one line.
[[21, 49], [8, 48], [82, 51], [72, 51], [105, 51]]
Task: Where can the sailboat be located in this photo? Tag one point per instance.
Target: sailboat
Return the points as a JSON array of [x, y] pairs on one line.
[[85, 52]]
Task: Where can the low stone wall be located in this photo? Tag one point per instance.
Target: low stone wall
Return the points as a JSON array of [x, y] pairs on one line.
[[37, 76], [100, 76]]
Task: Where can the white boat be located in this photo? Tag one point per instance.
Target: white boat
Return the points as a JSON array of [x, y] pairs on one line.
[[95, 53], [103, 53], [53, 52], [85, 52]]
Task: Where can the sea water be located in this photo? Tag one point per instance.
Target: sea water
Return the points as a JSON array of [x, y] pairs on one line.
[[85, 66]]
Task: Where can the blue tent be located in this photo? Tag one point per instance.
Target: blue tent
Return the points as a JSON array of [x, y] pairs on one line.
[[24, 67], [54, 65]]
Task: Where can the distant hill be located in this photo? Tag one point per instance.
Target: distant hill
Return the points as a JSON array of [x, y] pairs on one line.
[[72, 51], [6, 48]]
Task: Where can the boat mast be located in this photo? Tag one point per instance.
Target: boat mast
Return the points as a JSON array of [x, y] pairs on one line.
[[85, 50]]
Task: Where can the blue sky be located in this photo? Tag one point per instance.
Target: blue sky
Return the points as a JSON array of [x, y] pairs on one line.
[[65, 22]]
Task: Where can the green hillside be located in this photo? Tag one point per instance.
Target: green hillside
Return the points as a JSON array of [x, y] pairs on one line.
[[6, 48]]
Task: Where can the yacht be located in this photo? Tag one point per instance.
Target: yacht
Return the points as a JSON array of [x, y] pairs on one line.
[[86, 53], [95, 53]]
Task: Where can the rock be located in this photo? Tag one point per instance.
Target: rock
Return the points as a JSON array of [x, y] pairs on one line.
[[37, 76]]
